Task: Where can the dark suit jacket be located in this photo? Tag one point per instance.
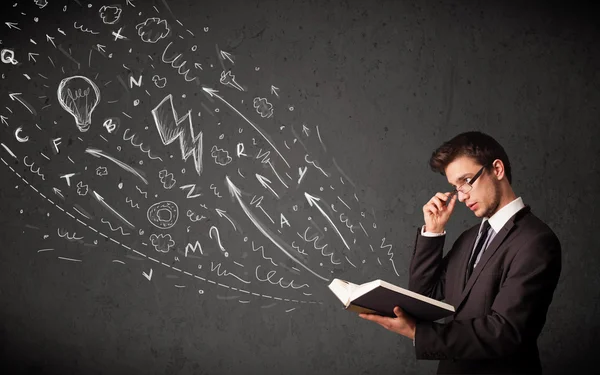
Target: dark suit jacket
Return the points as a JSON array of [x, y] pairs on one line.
[[500, 310]]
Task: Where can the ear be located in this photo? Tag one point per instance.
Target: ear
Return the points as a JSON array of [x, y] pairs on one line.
[[498, 169]]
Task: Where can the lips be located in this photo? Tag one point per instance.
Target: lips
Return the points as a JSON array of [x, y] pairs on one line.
[[472, 205]]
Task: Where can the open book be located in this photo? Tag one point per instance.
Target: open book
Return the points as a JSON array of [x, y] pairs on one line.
[[381, 297]]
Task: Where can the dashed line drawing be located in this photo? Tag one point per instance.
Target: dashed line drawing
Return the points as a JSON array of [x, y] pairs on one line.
[[131, 140], [80, 104], [30, 166], [104, 221], [152, 259]]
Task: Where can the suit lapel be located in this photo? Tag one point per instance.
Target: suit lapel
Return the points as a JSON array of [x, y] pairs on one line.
[[487, 254]]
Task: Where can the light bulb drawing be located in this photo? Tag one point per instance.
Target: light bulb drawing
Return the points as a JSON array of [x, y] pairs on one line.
[[78, 95]]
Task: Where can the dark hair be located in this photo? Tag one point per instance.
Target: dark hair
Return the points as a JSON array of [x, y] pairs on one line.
[[477, 145]]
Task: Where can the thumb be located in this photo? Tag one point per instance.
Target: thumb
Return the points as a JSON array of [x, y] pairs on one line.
[[398, 311]]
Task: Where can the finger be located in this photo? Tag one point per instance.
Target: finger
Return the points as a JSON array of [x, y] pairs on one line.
[[398, 311]]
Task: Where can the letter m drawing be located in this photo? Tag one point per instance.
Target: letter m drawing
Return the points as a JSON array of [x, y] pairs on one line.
[[171, 127]]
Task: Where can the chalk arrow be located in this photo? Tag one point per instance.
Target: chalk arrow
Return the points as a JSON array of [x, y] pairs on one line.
[[227, 56], [198, 66], [284, 247], [15, 96], [58, 192], [100, 47], [102, 202], [31, 56], [129, 2], [312, 201], [148, 276], [305, 130], [222, 213], [213, 93], [12, 25], [274, 91], [3, 119], [50, 39], [265, 183]]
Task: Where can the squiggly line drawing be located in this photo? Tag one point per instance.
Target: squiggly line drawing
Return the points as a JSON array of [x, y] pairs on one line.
[[315, 165], [262, 250], [130, 201], [389, 246], [114, 229], [297, 248], [314, 241], [30, 166], [270, 275], [194, 217], [214, 189], [147, 152], [225, 272], [65, 234], [172, 61], [145, 194], [80, 28], [124, 246]]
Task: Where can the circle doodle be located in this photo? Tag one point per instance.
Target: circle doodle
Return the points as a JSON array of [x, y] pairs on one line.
[[163, 215]]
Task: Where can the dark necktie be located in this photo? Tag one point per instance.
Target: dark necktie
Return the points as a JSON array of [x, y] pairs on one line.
[[482, 238]]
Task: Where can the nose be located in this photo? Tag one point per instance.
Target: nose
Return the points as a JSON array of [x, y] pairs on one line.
[[462, 196]]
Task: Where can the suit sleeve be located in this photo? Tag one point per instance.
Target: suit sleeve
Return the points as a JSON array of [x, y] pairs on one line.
[[427, 270], [518, 312]]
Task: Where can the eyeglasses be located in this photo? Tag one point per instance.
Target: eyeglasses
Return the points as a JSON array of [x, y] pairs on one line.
[[467, 186]]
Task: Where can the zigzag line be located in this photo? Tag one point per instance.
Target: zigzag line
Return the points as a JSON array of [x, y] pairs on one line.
[[114, 229], [127, 200]]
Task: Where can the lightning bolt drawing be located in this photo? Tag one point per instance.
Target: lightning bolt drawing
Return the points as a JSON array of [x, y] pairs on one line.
[[171, 127]]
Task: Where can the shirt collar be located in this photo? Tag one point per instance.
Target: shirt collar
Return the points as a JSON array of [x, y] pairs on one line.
[[500, 218]]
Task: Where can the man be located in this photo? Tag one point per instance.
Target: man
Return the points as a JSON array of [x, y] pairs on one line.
[[500, 275]]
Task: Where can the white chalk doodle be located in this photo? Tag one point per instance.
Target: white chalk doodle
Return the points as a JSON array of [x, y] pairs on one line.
[[12, 25], [130, 201], [99, 153], [173, 61], [189, 247], [159, 82], [139, 146], [163, 215], [221, 156], [223, 213], [100, 199], [313, 201], [82, 29], [167, 179], [162, 242], [101, 171], [110, 14], [281, 245], [270, 276], [64, 234], [104, 221], [41, 3], [215, 192], [217, 268], [8, 57], [194, 217], [145, 194], [148, 275], [263, 107], [228, 79], [153, 29], [80, 104], [82, 189], [171, 127], [191, 191], [17, 96], [18, 137], [275, 91], [30, 166], [218, 236]]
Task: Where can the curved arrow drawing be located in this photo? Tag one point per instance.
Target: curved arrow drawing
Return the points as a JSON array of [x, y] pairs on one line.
[[313, 202], [284, 247]]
